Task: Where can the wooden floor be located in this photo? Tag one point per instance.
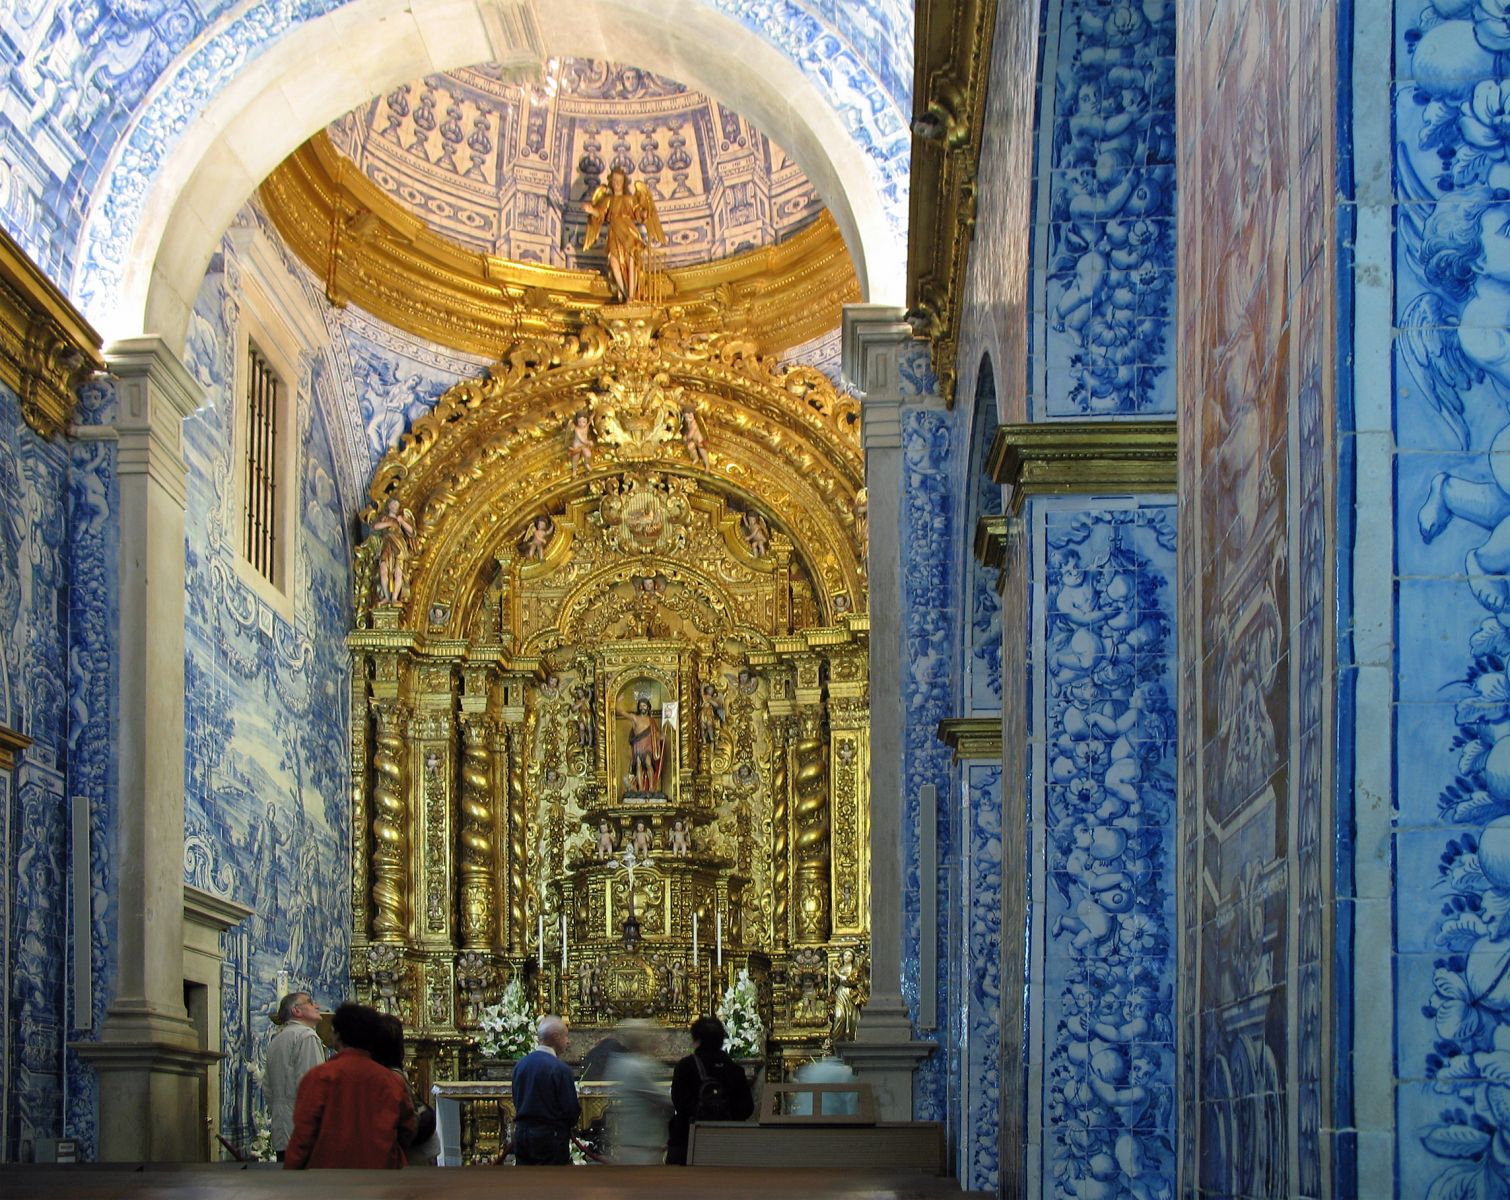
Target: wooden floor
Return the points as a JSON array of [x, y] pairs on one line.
[[231, 1182]]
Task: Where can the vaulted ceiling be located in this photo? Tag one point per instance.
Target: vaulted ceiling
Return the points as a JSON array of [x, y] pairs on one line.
[[501, 166]]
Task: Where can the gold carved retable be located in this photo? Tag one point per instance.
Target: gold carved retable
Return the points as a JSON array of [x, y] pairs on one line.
[[614, 599]]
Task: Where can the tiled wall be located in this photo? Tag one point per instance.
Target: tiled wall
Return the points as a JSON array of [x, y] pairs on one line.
[[930, 629], [1256, 245], [57, 582], [975, 993], [267, 780], [1101, 1085], [1102, 329], [1443, 657]]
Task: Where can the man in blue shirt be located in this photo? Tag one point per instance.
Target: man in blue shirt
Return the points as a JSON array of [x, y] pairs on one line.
[[545, 1100]]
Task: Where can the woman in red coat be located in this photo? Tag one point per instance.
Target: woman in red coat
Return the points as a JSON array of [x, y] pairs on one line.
[[351, 1111]]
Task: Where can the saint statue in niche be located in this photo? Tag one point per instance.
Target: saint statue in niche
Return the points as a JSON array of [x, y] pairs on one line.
[[396, 527], [647, 748], [624, 209]]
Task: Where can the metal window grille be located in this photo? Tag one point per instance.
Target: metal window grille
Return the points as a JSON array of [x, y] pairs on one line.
[[262, 405]]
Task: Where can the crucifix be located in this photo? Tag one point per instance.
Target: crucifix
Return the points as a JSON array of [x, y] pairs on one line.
[[631, 922]]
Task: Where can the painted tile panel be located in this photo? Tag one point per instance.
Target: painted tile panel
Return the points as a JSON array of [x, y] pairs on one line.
[[1104, 683], [1104, 292]]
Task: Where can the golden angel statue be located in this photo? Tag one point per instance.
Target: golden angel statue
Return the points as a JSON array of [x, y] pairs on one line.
[[624, 209]]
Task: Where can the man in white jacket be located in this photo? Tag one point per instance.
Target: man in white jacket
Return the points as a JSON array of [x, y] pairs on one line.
[[294, 1049]]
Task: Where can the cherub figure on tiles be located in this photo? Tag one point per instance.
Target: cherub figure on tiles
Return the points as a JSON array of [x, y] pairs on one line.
[[692, 437], [581, 446], [536, 538], [396, 528], [756, 533]]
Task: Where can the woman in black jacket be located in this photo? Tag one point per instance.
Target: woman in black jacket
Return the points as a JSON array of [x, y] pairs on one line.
[[707, 1085]]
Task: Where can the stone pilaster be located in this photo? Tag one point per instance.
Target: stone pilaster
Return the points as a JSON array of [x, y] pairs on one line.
[[150, 1065], [884, 1051]]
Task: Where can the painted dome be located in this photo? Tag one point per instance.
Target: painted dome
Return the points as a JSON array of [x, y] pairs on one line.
[[502, 167]]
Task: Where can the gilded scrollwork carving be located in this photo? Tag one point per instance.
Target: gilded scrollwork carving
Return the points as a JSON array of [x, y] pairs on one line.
[[650, 671]]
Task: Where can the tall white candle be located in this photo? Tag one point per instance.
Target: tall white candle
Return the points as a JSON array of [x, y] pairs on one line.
[[694, 939], [540, 940], [718, 939], [563, 941]]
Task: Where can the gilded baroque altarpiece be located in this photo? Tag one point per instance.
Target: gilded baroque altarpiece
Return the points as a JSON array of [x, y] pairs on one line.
[[611, 662]]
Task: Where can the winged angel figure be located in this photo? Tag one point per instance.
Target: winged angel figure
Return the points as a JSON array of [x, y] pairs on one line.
[[1455, 334], [624, 209]]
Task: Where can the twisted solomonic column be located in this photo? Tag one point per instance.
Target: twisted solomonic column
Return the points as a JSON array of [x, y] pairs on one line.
[[478, 905], [390, 834]]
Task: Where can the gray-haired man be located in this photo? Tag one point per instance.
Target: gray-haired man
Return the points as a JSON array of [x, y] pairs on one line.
[[295, 1048], [545, 1100]]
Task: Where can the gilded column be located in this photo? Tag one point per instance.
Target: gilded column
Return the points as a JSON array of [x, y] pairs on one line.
[[779, 725], [478, 899], [810, 808], [514, 745], [849, 756], [390, 834], [434, 742]]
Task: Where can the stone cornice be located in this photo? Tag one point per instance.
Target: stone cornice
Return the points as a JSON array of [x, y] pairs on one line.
[[952, 61], [46, 347], [12, 742], [1069, 457], [214, 912], [972, 737]]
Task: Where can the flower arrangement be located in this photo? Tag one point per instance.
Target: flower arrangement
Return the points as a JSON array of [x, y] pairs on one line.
[[508, 1027], [737, 1010], [260, 1148]]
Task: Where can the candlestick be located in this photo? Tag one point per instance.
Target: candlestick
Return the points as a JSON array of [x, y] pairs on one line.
[[563, 942], [540, 941], [694, 939], [718, 935]]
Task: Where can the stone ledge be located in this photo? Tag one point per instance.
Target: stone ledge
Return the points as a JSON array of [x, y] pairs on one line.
[[1083, 457]]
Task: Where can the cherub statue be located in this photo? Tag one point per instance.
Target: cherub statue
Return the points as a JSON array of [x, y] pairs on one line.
[[397, 529], [537, 538], [581, 447], [604, 847], [624, 210], [692, 437], [756, 532], [644, 840], [679, 841]]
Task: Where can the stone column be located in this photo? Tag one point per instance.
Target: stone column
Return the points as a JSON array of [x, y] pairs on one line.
[[884, 1052], [150, 1068]]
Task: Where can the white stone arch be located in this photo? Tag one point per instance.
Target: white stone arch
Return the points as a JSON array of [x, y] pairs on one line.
[[144, 275]]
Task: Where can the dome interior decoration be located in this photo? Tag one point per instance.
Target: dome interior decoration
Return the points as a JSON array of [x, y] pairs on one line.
[[502, 167]]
